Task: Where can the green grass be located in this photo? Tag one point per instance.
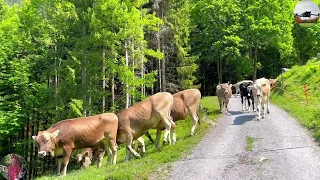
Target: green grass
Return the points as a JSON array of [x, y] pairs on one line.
[[155, 163], [293, 100], [249, 143]]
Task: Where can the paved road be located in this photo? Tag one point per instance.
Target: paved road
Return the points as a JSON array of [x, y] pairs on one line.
[[283, 149]]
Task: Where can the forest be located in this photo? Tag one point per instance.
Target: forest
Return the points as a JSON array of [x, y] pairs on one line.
[[62, 59]]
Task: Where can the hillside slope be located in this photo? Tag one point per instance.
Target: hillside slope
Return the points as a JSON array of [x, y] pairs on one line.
[[155, 163], [293, 99]]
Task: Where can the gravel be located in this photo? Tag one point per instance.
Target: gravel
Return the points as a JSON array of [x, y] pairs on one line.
[[282, 149]]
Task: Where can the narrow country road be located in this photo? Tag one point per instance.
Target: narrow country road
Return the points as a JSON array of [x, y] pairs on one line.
[[282, 150]]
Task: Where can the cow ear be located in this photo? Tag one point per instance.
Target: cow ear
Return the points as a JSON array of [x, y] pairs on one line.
[[219, 83], [218, 87], [34, 138], [55, 134], [86, 154]]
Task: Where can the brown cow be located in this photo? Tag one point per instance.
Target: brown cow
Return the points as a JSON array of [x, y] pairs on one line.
[[224, 93], [84, 132], [85, 158], [89, 155], [185, 103], [139, 118]]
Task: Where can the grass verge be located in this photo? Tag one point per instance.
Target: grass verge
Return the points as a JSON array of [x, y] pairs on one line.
[[292, 97], [249, 143], [152, 164]]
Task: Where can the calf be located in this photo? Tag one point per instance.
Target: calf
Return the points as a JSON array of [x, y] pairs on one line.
[[185, 103], [89, 155], [246, 93], [84, 132], [85, 158], [261, 92], [224, 93], [139, 118]]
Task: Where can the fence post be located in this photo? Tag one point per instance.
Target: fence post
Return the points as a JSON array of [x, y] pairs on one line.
[[305, 92]]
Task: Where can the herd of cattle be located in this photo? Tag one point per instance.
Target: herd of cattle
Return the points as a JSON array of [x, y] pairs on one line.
[[100, 133]]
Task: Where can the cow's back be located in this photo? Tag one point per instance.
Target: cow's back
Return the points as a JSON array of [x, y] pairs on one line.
[[182, 101], [143, 115], [85, 132]]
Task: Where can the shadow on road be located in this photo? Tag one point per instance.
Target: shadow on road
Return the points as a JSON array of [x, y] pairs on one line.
[[235, 112], [240, 120]]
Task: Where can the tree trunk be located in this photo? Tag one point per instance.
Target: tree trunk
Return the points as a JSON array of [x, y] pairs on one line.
[[31, 146], [113, 95], [163, 75], [159, 61], [103, 80], [84, 77], [255, 62], [127, 85], [219, 68], [142, 75]]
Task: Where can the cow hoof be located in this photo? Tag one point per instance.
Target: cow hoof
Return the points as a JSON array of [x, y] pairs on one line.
[[268, 112]]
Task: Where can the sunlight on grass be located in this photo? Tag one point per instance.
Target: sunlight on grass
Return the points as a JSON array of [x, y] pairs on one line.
[[293, 99], [149, 165]]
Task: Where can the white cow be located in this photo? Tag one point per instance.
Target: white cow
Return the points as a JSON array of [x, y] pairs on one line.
[[261, 93]]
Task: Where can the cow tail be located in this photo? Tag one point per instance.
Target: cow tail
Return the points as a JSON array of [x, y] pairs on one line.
[[198, 112]]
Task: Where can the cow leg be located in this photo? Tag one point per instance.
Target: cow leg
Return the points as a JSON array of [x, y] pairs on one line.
[[167, 120], [158, 138], [195, 119], [242, 102], [100, 157], [109, 153], [253, 109], [248, 99], [114, 150], [129, 146], [174, 136], [59, 162], [66, 158], [268, 110], [149, 136], [220, 104], [141, 142]]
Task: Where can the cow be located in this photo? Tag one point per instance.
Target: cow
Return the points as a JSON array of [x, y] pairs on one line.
[[261, 94], [78, 133], [246, 94], [89, 155], [142, 116], [237, 86], [85, 158], [224, 93], [185, 103]]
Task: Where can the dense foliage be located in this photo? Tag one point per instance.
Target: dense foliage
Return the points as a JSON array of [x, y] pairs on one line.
[[67, 58]]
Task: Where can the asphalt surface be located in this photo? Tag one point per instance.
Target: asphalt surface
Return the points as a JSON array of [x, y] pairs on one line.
[[282, 150]]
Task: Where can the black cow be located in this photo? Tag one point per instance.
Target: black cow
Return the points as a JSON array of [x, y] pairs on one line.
[[246, 93]]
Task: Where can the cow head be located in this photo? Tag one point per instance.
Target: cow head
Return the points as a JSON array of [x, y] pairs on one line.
[[84, 159], [226, 87], [256, 89], [46, 142]]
